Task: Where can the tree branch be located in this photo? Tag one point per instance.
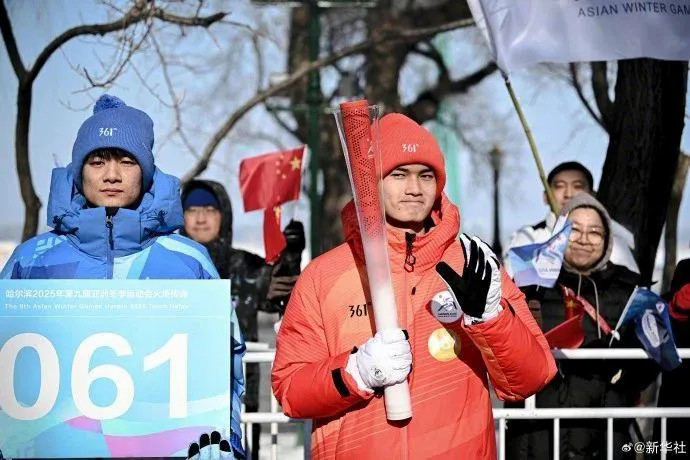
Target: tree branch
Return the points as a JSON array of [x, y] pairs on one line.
[[465, 83], [426, 106], [107, 80], [174, 99], [433, 54], [141, 10], [600, 87], [11, 43], [284, 125], [410, 35], [575, 82]]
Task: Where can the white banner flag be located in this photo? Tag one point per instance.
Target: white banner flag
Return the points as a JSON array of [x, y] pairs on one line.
[[524, 32]]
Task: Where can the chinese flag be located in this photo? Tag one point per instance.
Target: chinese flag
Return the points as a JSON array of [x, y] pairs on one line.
[[568, 334], [266, 182], [274, 240], [271, 179]]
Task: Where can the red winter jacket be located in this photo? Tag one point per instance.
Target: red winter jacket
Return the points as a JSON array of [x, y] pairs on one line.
[[329, 313]]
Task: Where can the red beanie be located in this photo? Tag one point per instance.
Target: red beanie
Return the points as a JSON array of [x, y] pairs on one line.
[[404, 142]]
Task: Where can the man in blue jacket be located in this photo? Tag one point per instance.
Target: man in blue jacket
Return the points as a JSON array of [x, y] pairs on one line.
[[113, 214]]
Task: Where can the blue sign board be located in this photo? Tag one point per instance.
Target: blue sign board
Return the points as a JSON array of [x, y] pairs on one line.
[[112, 368]]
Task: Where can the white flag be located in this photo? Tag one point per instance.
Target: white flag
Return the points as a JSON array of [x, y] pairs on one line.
[[524, 32]]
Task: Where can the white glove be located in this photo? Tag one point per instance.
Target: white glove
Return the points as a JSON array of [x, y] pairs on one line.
[[493, 297], [381, 361]]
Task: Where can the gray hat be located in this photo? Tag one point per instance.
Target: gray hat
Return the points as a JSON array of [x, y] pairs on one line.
[[585, 200]]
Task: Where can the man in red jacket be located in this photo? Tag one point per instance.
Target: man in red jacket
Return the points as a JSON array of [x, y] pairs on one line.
[[463, 323]]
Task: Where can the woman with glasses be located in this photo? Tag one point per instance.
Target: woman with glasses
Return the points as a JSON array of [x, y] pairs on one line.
[[588, 273]]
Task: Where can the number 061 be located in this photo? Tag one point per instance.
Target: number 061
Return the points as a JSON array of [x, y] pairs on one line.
[[174, 350]]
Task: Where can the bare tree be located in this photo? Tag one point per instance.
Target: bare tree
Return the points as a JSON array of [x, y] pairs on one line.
[[140, 11], [645, 125], [376, 76], [644, 120]]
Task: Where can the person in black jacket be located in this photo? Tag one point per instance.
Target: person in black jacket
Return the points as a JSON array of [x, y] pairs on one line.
[[255, 285], [588, 272]]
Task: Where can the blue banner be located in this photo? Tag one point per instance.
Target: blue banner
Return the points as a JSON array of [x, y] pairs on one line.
[[112, 368], [649, 312], [539, 264]]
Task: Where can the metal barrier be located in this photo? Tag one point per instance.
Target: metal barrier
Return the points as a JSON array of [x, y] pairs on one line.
[[261, 353]]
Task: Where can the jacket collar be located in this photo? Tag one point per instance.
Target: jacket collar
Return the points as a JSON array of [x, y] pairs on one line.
[[427, 248], [159, 213]]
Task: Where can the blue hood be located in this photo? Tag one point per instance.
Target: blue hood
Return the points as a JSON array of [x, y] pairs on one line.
[[159, 213]]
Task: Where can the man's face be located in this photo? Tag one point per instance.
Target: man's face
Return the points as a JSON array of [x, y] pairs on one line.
[[587, 238], [409, 192], [566, 184], [202, 223], [111, 179]]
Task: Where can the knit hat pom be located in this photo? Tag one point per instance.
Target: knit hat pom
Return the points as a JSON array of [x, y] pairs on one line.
[[108, 102]]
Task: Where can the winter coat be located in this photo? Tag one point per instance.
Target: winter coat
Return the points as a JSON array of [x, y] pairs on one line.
[[586, 383], [86, 243], [329, 313], [250, 277], [249, 273], [119, 243]]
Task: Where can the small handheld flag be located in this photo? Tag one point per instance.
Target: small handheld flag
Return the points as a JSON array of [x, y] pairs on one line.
[[540, 263], [649, 312]]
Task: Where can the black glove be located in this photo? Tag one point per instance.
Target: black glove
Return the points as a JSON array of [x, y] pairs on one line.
[[287, 269], [478, 291], [294, 237], [209, 447]]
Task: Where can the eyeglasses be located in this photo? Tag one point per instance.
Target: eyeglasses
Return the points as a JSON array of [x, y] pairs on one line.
[[198, 210], [593, 237]]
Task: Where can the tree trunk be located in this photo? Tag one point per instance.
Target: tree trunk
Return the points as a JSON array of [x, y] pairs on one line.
[[642, 155], [385, 61], [671, 230], [32, 204]]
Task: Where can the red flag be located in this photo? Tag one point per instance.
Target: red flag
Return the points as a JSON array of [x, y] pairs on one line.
[[271, 179], [266, 182], [581, 304], [274, 240], [568, 334]]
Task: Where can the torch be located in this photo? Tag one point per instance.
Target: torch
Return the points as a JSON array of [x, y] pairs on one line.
[[358, 129]]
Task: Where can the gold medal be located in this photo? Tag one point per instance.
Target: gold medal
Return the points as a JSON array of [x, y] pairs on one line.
[[444, 344]]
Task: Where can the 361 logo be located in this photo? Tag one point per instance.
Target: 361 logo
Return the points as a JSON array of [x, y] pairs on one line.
[[106, 131], [410, 148]]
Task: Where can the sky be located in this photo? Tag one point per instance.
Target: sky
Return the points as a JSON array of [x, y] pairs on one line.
[[560, 125]]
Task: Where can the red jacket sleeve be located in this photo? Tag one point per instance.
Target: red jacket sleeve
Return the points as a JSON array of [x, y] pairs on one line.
[[514, 349], [307, 381]]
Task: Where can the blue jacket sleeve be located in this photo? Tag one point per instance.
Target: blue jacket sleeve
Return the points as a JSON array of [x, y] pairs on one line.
[[238, 386]]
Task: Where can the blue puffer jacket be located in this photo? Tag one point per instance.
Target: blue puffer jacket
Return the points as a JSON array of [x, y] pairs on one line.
[[132, 244], [85, 243]]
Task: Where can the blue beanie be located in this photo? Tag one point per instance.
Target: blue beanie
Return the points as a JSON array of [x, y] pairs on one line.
[[115, 125], [200, 196]]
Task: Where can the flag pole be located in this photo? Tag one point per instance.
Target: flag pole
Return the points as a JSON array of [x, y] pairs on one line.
[[532, 144], [621, 318]]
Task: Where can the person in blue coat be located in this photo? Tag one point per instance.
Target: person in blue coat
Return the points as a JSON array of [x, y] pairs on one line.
[[113, 215]]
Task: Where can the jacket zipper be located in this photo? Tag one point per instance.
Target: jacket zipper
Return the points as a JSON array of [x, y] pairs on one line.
[[410, 260], [111, 243]]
